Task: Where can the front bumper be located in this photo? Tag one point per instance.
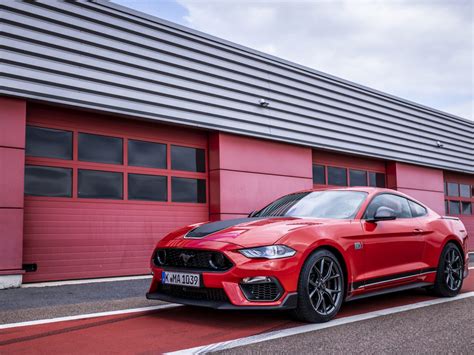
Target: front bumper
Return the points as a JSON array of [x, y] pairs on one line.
[[284, 271], [289, 302]]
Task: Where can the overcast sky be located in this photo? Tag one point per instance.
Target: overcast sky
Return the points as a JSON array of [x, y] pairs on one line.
[[420, 50]]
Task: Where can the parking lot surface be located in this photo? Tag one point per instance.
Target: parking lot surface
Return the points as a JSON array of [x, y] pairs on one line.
[[365, 325]]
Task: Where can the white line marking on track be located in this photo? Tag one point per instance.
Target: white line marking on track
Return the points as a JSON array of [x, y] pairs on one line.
[[313, 327], [89, 315], [86, 281]]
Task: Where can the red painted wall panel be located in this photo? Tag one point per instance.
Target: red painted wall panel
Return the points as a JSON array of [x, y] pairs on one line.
[[12, 144], [11, 239], [348, 161], [262, 156], [12, 122], [247, 173], [71, 238], [432, 199], [424, 184], [243, 192], [12, 167], [419, 177]]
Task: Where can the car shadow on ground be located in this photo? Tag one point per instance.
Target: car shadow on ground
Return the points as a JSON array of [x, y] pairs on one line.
[[274, 320]]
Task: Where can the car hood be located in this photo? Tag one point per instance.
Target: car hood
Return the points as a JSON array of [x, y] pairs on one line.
[[244, 232]]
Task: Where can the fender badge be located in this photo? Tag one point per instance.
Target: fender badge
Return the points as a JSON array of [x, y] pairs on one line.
[[358, 245]]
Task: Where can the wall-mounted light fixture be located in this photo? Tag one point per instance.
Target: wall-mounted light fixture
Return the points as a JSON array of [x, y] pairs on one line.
[[263, 103], [439, 144]]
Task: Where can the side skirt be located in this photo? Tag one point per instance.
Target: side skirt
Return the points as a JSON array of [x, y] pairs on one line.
[[389, 290]]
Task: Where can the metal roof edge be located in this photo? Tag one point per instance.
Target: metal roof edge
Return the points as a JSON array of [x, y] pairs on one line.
[[175, 26]]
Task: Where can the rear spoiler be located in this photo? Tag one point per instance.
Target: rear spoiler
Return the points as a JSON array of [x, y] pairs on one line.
[[450, 217]]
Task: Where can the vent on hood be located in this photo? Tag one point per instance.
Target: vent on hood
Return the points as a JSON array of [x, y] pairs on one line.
[[209, 228]]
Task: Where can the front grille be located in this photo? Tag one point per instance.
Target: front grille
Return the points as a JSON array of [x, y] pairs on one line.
[[204, 260], [265, 291], [198, 294]]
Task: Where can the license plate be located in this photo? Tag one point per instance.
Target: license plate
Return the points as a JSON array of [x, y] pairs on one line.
[[180, 278]]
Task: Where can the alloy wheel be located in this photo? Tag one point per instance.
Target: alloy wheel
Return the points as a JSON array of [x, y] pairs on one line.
[[324, 286], [453, 269]]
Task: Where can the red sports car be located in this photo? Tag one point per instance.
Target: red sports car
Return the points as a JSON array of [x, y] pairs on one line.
[[310, 251]]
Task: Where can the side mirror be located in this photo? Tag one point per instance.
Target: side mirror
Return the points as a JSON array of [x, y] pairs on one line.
[[383, 214]]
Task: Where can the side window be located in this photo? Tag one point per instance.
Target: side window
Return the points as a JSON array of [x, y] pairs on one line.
[[416, 209], [397, 203]]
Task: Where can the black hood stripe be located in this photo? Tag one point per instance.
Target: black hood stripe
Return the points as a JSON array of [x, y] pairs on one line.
[[212, 227]]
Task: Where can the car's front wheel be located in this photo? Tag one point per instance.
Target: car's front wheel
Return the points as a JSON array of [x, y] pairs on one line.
[[320, 288], [449, 276]]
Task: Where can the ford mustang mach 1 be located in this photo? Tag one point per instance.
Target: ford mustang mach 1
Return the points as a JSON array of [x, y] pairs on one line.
[[310, 251]]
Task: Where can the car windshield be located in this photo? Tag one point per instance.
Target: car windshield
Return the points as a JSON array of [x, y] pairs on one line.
[[317, 204]]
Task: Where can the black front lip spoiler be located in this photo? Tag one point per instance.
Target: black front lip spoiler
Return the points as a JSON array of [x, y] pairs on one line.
[[289, 302]]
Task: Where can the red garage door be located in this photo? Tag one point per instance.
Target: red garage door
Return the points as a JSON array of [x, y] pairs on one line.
[[101, 190], [333, 170], [459, 200]]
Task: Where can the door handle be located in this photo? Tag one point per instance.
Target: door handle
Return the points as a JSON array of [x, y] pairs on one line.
[[417, 231]]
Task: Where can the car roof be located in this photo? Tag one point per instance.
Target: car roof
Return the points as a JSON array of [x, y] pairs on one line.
[[371, 190]]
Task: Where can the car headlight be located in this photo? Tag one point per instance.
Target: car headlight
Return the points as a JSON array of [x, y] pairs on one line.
[[268, 252]]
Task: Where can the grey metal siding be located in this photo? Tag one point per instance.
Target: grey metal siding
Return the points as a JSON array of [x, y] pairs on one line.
[[98, 55]]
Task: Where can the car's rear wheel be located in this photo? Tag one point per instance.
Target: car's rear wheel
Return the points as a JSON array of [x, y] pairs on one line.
[[449, 275], [320, 288]]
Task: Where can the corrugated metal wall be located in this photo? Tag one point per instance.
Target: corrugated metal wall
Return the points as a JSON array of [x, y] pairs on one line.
[[102, 56]]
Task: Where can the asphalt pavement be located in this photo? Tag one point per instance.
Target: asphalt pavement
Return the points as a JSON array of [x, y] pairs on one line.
[[25, 304], [443, 328], [447, 328]]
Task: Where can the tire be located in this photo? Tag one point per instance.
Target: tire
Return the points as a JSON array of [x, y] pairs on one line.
[[449, 275], [327, 288]]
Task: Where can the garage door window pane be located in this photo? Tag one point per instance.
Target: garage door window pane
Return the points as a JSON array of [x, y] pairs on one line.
[[187, 159], [319, 175], [358, 177], [376, 179], [100, 149], [465, 190], [100, 184], [188, 190], [466, 208], [453, 189], [48, 143], [146, 154], [337, 176], [48, 181], [454, 207], [147, 187]]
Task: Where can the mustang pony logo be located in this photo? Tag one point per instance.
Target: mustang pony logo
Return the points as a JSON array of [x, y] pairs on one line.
[[185, 258]]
